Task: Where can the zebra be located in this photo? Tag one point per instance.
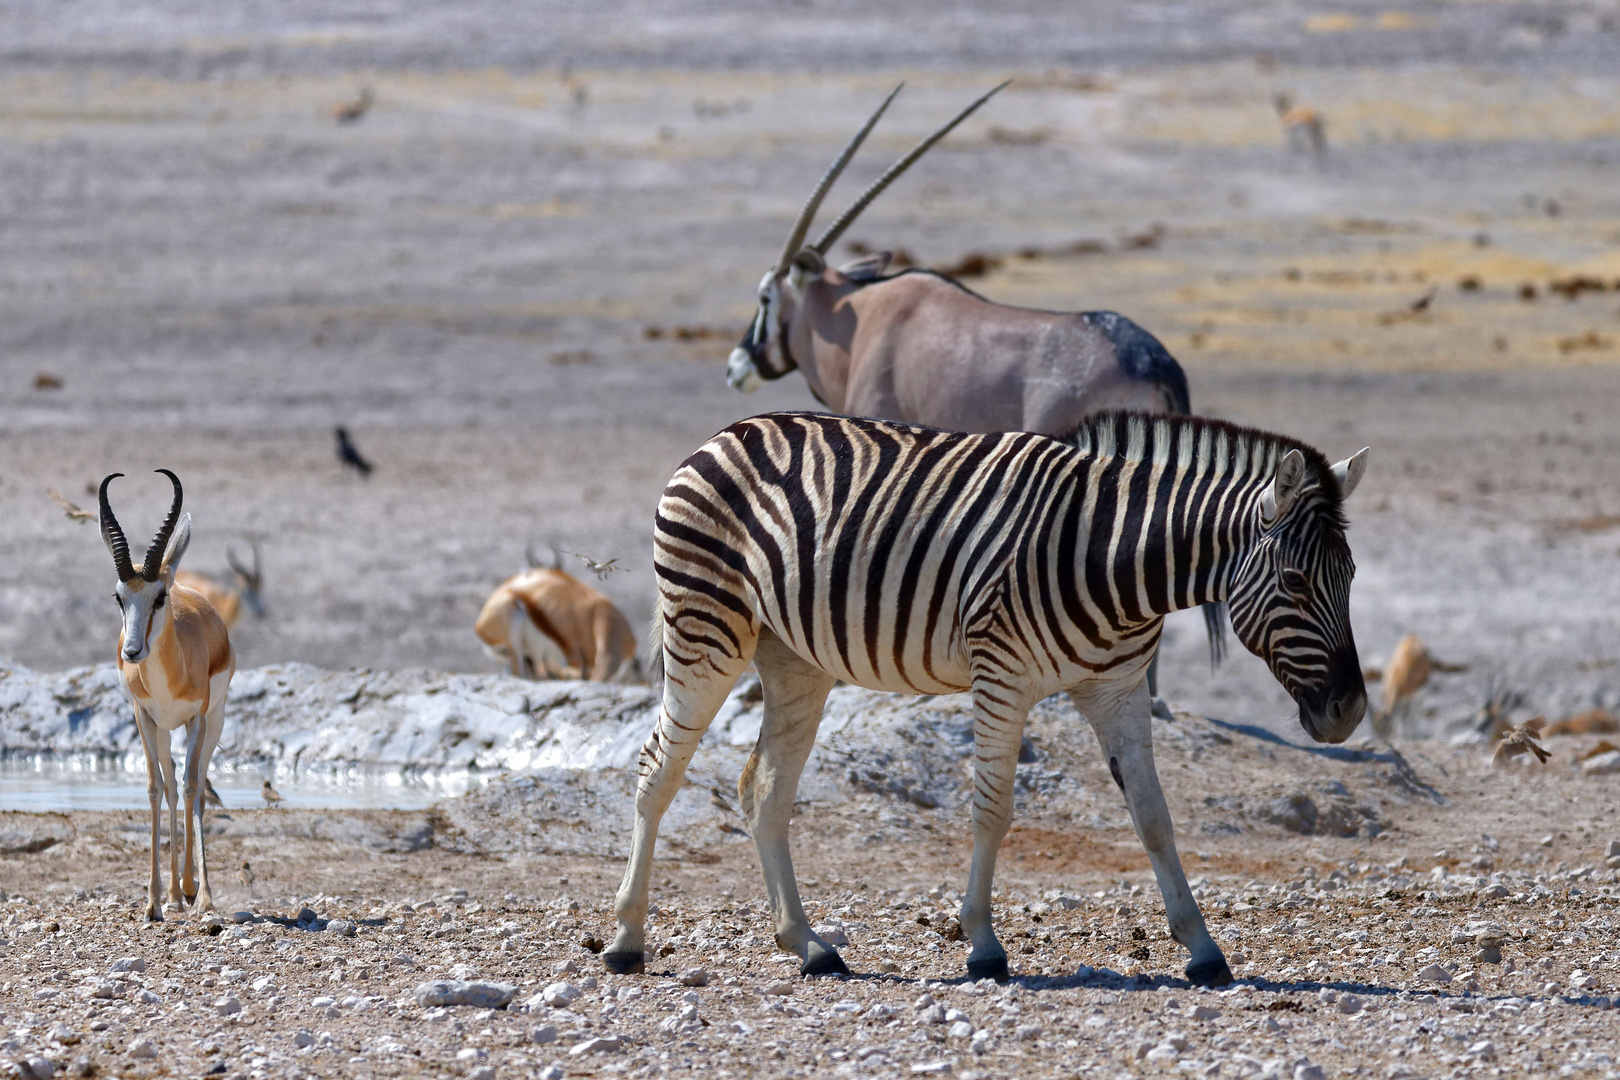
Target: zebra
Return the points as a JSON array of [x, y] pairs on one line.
[[1015, 565]]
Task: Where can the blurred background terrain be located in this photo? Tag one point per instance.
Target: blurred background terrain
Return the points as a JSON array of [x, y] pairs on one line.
[[509, 246]]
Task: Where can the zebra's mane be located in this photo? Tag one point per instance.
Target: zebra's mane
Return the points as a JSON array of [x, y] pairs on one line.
[[1133, 436]]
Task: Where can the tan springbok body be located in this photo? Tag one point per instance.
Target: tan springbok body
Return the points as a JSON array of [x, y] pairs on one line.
[[175, 662], [547, 624], [229, 599], [920, 348]]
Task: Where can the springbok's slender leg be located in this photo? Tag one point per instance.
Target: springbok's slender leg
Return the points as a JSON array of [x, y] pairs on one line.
[[515, 640], [213, 725], [193, 820], [171, 792], [692, 695], [1119, 715], [154, 887], [795, 692], [998, 728]]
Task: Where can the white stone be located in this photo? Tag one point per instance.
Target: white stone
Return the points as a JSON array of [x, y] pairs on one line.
[[559, 994], [303, 1037], [833, 934], [1308, 1071], [779, 989], [545, 1033], [142, 1049], [606, 1044], [1349, 1004], [553, 1072], [472, 1053], [694, 977], [483, 1072], [961, 1029], [1163, 1052], [956, 1016], [1203, 1012], [931, 1068], [128, 963], [229, 1005], [1434, 973], [1483, 1048]]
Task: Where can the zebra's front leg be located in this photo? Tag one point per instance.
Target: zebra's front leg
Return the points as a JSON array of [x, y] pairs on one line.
[[794, 693], [688, 709], [1120, 719], [997, 730]]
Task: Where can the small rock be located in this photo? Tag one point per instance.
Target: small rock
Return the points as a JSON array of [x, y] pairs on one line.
[[957, 1016], [1349, 1004], [545, 1033], [982, 1041], [81, 1066], [923, 1002], [931, 1068], [472, 1053], [307, 915], [878, 1012], [263, 983], [1434, 973], [1163, 1052], [147, 997], [1327, 995], [483, 1072], [128, 963], [1203, 1012], [1271, 1026], [61, 1033], [241, 917], [605, 1045], [340, 927], [694, 977], [565, 967], [43, 1068], [560, 994], [1614, 850], [1488, 954], [1602, 764], [142, 1049], [833, 935], [1484, 1048], [303, 1037], [480, 995], [229, 1005], [323, 1002], [779, 989], [553, 1072], [1309, 1072], [1027, 1032], [960, 1029]]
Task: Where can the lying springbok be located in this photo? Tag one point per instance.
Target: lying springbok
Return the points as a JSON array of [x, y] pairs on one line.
[[919, 347], [175, 663], [227, 599], [547, 624]]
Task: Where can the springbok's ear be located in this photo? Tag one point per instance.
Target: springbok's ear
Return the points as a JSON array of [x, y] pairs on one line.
[[1350, 471], [1284, 488], [177, 548]]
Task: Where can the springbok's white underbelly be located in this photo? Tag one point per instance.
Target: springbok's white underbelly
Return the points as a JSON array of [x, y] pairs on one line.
[[169, 712]]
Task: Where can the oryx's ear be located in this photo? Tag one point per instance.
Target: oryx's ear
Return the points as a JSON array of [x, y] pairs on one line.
[[1350, 471], [177, 548], [806, 264], [1284, 488]]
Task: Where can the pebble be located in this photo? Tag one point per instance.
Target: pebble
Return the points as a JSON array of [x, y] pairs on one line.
[[128, 963], [552, 1072], [483, 1072], [960, 1029], [694, 977], [142, 1049], [931, 1068], [43, 1068], [779, 989], [340, 927], [303, 1037], [559, 994], [833, 935], [1203, 1012], [1309, 1072], [1349, 1004], [241, 917], [229, 1005], [545, 1033], [480, 995], [605, 1044], [1434, 973]]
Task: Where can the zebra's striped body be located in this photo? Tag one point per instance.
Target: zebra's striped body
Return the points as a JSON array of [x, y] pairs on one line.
[[1013, 566]]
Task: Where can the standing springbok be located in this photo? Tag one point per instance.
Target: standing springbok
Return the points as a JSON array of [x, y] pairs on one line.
[[175, 662], [547, 624], [1010, 566], [228, 599], [921, 348]]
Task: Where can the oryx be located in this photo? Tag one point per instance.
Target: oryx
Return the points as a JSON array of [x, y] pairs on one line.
[[919, 347]]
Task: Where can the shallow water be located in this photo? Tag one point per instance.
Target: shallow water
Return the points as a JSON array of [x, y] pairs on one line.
[[43, 783]]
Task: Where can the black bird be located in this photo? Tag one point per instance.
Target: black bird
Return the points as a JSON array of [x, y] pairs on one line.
[[350, 456]]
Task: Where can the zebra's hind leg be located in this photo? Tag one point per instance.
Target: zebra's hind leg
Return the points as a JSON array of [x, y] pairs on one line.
[[1120, 720], [998, 728], [693, 693], [795, 692]]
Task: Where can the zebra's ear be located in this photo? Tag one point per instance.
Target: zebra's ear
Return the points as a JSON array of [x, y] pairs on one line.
[[1350, 471], [1285, 487]]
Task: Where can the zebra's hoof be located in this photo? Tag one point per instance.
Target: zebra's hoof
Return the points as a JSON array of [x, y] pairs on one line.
[[1209, 972], [829, 963], [988, 969], [625, 963]]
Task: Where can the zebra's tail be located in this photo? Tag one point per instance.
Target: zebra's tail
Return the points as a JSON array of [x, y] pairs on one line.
[[655, 649], [1215, 624]]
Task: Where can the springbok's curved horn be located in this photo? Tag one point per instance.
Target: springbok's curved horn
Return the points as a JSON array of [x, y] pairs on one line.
[[113, 535], [154, 554], [251, 575], [807, 215], [847, 218]]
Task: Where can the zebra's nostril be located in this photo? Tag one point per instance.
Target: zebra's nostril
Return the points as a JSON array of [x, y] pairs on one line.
[[1335, 711]]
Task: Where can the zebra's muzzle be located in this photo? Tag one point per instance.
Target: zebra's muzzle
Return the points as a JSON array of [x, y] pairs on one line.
[[1330, 715]]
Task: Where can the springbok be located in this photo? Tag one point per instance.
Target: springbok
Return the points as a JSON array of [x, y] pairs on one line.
[[547, 624], [920, 347], [1302, 125], [227, 599], [175, 663]]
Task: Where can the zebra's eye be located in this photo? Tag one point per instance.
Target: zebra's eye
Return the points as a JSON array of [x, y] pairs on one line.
[[1295, 582]]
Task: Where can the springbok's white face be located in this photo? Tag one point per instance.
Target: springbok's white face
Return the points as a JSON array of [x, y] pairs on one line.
[[759, 356], [145, 605]]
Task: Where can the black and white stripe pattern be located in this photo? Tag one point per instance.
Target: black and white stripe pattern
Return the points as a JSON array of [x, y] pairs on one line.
[[1014, 565], [922, 561]]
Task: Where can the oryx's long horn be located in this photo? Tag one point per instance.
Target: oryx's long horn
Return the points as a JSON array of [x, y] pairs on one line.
[[154, 554], [802, 224], [847, 218], [113, 535]]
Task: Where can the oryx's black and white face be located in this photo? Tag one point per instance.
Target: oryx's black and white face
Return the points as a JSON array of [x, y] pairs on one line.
[[1290, 598], [760, 356], [143, 593]]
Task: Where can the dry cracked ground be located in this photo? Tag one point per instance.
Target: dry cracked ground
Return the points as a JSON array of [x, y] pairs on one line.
[[1388, 912]]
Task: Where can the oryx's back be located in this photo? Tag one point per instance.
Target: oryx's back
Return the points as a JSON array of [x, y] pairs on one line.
[[864, 545]]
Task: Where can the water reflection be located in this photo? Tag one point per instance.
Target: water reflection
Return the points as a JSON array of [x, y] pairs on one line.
[[44, 782]]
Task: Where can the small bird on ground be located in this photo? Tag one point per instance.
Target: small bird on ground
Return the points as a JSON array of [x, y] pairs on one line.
[[245, 876], [718, 799], [349, 455], [1520, 739], [72, 510], [350, 112], [600, 569], [272, 797], [210, 796]]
